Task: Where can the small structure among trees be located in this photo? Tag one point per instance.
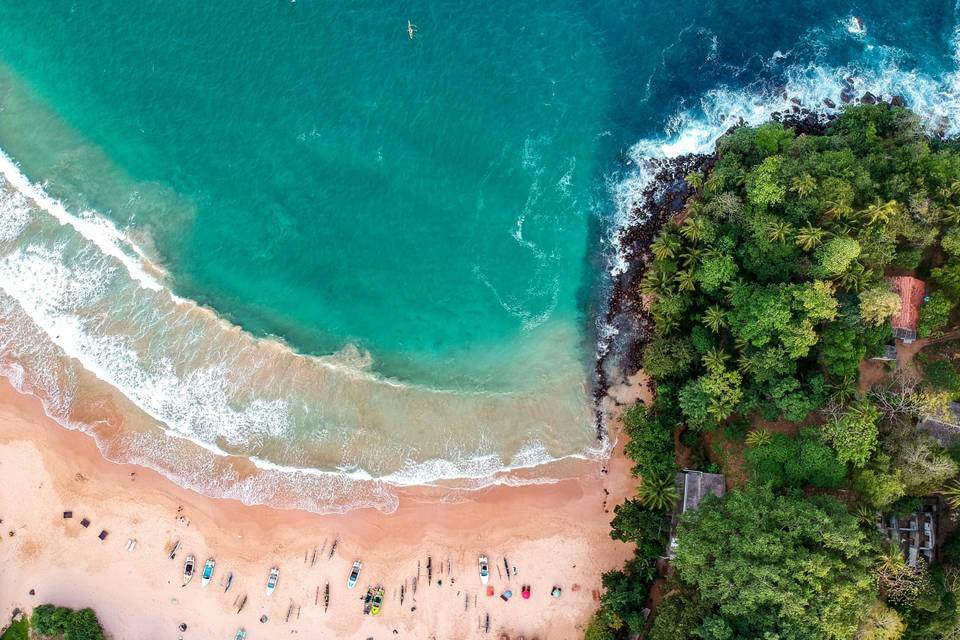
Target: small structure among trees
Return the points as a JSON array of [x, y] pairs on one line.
[[911, 291], [693, 486], [914, 534]]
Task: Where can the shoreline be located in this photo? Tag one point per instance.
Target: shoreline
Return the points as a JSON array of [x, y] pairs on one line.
[[553, 534]]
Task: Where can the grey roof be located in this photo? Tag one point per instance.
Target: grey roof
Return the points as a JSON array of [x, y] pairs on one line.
[[696, 485]]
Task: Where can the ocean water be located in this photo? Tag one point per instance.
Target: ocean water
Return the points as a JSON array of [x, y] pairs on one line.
[[281, 252]]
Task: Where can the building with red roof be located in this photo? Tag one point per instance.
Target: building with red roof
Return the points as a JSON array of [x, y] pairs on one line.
[[911, 292]]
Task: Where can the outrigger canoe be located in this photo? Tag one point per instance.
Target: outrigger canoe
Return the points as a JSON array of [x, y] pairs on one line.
[[484, 570], [354, 574], [207, 572], [189, 566], [272, 580], [377, 601]]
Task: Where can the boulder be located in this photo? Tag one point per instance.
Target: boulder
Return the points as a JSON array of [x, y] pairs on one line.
[[830, 104], [868, 98], [898, 101]]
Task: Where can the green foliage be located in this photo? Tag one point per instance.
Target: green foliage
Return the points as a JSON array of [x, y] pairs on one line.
[[950, 242], [668, 358], [795, 462], [854, 434], [49, 620], [941, 375], [775, 566], [632, 522], [764, 187], [879, 483], [18, 630], [878, 305], [716, 271], [947, 278], [836, 255], [651, 442], [934, 315]]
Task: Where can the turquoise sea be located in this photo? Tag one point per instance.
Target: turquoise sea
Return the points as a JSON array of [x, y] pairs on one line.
[[283, 252]]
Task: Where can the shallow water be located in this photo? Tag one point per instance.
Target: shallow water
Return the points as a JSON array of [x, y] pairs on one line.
[[282, 252]]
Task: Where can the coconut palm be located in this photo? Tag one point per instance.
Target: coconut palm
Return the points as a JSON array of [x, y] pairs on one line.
[[951, 493], [865, 514], [714, 318], [665, 247], [845, 390], [803, 185], [656, 281], [779, 230], [951, 214], [715, 358], [759, 437], [879, 212], [695, 228], [685, 280], [691, 257], [809, 237], [852, 278], [658, 493]]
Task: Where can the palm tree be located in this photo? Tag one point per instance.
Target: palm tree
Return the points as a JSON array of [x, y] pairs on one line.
[[879, 212], [838, 207], [951, 214], [685, 280], [658, 493], [715, 358], [759, 437], [865, 514], [852, 278], [691, 256], [694, 179], [695, 228], [665, 247], [656, 281], [845, 390], [809, 237], [714, 318], [779, 230], [951, 493], [803, 185]]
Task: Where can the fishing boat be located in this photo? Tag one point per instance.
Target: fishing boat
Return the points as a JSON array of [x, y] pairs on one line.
[[207, 572], [272, 580], [241, 634], [411, 30], [188, 568], [368, 601], [175, 549], [377, 601], [484, 570], [354, 574]]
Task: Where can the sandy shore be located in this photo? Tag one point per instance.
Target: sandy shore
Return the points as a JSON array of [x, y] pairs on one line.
[[552, 534]]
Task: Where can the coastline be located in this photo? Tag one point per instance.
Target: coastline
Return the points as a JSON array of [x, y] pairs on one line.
[[553, 534]]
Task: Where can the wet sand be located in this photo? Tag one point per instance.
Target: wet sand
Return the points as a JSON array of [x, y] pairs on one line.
[[556, 534]]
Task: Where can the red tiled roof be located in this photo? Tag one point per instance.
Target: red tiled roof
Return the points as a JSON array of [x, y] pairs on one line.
[[911, 293]]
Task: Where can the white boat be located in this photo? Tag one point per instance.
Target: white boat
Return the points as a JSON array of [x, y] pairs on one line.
[[207, 572], [484, 570], [272, 580], [189, 566], [354, 574]]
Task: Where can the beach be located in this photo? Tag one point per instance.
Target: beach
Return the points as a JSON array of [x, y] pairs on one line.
[[550, 535]]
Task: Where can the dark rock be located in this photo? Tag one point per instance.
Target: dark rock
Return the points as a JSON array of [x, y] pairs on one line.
[[898, 101], [830, 104], [33, 592], [868, 98], [795, 109], [796, 101], [849, 80], [845, 96]]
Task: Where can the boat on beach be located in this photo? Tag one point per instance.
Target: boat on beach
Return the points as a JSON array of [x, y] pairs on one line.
[[229, 582], [354, 574], [207, 572], [175, 549], [189, 566], [377, 601], [241, 634], [368, 601], [484, 570], [272, 580]]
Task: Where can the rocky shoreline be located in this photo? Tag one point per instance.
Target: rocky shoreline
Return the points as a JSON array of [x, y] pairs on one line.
[[627, 324]]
